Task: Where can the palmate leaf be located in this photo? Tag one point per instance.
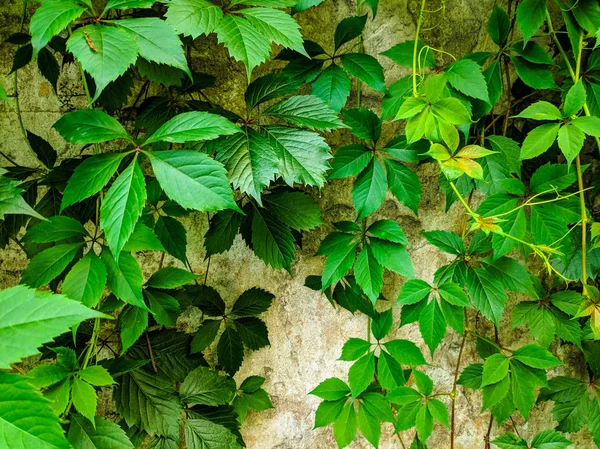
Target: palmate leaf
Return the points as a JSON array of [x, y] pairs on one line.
[[122, 206], [114, 50], [150, 402], [26, 418], [22, 313], [301, 155], [250, 161], [101, 434], [192, 179], [157, 41], [50, 19]]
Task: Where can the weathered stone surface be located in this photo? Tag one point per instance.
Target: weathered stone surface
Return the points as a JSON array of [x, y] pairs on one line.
[[306, 333]]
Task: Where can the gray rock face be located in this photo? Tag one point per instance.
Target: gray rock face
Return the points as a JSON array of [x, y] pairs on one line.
[[306, 332]]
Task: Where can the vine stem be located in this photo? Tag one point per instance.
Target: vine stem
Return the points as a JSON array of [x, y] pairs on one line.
[[454, 383], [416, 47]]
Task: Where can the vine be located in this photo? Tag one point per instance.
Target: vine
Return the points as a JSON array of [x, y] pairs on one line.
[[526, 236]]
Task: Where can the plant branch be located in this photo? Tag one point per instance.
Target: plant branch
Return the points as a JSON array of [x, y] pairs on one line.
[[416, 47]]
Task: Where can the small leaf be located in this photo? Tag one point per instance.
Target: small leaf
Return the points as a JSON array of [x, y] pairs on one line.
[[306, 110], [413, 291], [134, 321], [366, 68], [331, 389], [495, 369], [50, 19], [539, 140], [466, 77], [84, 398], [206, 386], [170, 277], [86, 280], [87, 126], [193, 126], [536, 357], [348, 29], [48, 264], [369, 189], [354, 348], [530, 17], [252, 302]]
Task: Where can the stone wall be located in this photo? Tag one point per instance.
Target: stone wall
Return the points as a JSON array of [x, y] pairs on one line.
[[306, 332]]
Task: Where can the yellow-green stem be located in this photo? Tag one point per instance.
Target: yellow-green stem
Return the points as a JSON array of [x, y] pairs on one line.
[[462, 200], [416, 47]]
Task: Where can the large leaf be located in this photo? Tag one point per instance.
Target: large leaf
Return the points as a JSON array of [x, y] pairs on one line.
[[296, 209], [122, 206], [269, 87], [29, 318], [250, 161], [193, 17], [487, 294], [466, 77], [90, 177], [272, 240], [530, 17], [404, 184], [157, 41], [48, 264], [192, 126], [98, 435], [50, 19], [193, 180], [306, 110], [333, 87], [87, 126], [244, 42], [277, 26], [365, 68], [26, 418], [105, 52], [208, 387], [302, 155], [149, 402]]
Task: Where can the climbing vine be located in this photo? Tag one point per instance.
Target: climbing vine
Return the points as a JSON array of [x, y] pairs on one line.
[[513, 130]]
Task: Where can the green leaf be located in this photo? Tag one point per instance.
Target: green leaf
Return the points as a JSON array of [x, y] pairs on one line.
[[348, 29], [193, 180], [432, 325], [368, 274], [113, 51], [424, 423], [366, 68], [252, 302], [532, 52], [42, 149], [541, 110], [354, 348], [369, 425], [345, 426], [46, 375], [498, 26], [534, 75], [253, 332], [327, 412], [413, 291], [205, 335], [536, 357], [402, 54], [149, 401], [439, 411], [125, 278], [363, 123], [90, 177], [204, 434], [369, 189], [224, 226], [193, 17], [86, 280], [296, 209], [510, 441], [133, 321], [589, 125], [493, 394], [50, 19], [539, 140], [55, 229], [333, 87], [270, 87], [404, 395], [302, 155], [84, 398], [19, 401], [87, 126], [96, 375], [404, 184], [454, 294], [392, 256], [170, 277], [244, 42], [552, 177], [339, 262], [272, 241], [172, 235], [277, 26], [128, 4], [206, 386], [331, 389], [495, 369], [549, 439], [193, 126], [530, 17], [487, 293], [48, 264], [143, 239], [230, 351], [389, 372], [388, 230], [471, 376], [575, 99], [466, 77], [570, 141], [157, 41], [349, 160], [122, 206], [405, 352], [250, 161], [524, 380], [307, 111], [446, 241], [101, 434]]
